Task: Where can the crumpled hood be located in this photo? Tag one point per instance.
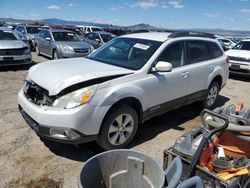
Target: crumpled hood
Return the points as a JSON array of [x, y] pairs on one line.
[[11, 44], [238, 53], [57, 75]]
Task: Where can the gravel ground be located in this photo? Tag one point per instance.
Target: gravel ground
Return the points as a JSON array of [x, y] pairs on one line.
[[25, 161]]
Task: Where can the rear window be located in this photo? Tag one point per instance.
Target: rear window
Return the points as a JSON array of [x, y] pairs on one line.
[[197, 51], [215, 49], [33, 30], [96, 29]]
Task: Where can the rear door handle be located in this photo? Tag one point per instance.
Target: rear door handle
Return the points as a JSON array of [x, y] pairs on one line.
[[185, 74]]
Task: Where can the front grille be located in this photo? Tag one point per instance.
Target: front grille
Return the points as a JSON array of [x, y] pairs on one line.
[[241, 59], [37, 94], [7, 52], [81, 50]]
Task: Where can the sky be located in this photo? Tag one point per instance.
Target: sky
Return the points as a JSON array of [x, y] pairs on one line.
[[172, 14]]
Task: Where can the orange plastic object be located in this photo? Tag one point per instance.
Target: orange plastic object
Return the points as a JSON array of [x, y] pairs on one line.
[[233, 146]]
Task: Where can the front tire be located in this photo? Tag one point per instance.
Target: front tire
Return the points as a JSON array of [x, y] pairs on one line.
[[211, 95], [55, 54], [118, 128], [37, 50]]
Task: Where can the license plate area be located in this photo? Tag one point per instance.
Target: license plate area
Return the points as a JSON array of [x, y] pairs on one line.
[[8, 58], [234, 66]]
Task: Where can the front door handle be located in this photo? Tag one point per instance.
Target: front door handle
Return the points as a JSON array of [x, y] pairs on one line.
[[185, 74]]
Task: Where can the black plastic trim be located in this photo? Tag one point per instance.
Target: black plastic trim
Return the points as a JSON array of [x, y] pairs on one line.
[[43, 131]]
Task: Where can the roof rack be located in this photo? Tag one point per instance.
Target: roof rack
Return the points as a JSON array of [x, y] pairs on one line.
[[191, 34]]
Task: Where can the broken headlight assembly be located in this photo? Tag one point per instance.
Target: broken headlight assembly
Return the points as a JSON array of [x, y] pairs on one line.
[[75, 98]]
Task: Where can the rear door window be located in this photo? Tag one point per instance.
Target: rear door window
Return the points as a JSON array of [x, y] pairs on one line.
[[215, 49], [197, 51]]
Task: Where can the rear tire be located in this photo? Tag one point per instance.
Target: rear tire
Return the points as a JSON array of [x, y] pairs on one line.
[[211, 95], [118, 128]]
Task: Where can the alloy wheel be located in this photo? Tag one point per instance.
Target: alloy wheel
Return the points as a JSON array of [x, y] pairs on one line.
[[121, 129]]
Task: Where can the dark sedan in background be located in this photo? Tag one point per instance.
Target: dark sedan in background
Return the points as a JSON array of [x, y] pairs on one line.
[[13, 51], [57, 43], [98, 38]]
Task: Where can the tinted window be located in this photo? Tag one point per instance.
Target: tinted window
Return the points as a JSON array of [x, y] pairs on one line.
[[65, 36], [33, 30], [107, 37], [197, 51], [129, 53], [174, 54], [215, 49], [41, 34], [96, 29], [90, 36], [47, 34], [243, 45], [8, 35], [20, 29]]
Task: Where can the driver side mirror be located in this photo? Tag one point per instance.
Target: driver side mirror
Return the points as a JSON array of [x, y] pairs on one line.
[[98, 40], [48, 39], [163, 66], [24, 39]]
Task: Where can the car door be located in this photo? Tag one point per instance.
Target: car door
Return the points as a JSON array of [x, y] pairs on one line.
[[200, 65], [40, 39], [168, 89], [48, 45]]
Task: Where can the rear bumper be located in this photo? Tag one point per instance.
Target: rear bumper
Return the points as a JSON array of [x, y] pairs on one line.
[[44, 131]]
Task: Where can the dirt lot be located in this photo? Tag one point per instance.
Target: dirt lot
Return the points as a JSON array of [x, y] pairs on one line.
[[25, 161]]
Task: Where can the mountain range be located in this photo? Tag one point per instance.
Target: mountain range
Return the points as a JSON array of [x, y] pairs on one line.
[[140, 26]]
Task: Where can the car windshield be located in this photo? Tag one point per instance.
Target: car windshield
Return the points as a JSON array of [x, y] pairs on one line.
[[34, 30], [243, 45], [124, 52], [8, 35], [96, 29], [65, 36], [107, 37]]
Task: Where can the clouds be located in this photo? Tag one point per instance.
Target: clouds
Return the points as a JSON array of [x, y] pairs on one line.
[[53, 7], [148, 4], [212, 15], [245, 11], [72, 4]]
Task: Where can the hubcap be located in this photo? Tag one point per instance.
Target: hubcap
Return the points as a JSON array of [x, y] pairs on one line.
[[121, 129], [212, 94]]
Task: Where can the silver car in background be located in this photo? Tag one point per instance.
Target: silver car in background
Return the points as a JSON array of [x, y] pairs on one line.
[[59, 43], [13, 50], [98, 38], [29, 32]]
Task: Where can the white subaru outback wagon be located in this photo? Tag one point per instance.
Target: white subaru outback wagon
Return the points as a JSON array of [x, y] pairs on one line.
[[127, 81]]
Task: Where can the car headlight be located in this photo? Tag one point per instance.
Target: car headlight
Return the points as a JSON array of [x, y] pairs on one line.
[[75, 98], [66, 48], [26, 50]]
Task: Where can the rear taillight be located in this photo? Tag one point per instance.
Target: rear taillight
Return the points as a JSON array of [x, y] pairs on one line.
[[227, 60]]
